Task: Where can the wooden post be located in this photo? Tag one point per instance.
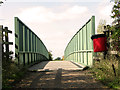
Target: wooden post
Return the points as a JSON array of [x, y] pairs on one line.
[[119, 67], [118, 56], [114, 70], [118, 60], [7, 45], [1, 28], [6, 42]]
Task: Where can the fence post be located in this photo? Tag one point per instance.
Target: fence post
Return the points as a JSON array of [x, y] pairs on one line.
[[6, 45], [1, 27], [6, 42], [118, 65]]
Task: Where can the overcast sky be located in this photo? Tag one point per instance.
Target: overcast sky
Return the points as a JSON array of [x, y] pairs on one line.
[[54, 21]]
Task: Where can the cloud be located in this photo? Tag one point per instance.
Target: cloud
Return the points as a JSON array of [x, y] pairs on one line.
[[55, 28], [77, 10], [54, 0], [103, 11], [106, 10], [55, 25], [46, 15]]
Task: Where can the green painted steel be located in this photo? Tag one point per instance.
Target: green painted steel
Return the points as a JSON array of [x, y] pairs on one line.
[[80, 47], [28, 46]]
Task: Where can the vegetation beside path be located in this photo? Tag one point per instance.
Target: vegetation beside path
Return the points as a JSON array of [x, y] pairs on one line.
[[103, 71]]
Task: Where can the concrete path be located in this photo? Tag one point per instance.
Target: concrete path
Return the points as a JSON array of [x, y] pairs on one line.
[[55, 65], [53, 75]]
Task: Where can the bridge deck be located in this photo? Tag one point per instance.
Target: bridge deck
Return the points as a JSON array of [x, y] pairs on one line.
[[61, 74], [55, 65]]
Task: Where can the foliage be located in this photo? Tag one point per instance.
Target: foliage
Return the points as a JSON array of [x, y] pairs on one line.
[[116, 16], [103, 72], [115, 9], [101, 25], [116, 37], [11, 73], [50, 55], [58, 58], [116, 25], [1, 2]]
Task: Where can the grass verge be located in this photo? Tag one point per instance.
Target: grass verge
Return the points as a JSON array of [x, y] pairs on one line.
[[103, 72], [11, 74]]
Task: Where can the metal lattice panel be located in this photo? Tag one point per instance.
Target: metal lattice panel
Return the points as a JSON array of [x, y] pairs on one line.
[[80, 47], [28, 46]]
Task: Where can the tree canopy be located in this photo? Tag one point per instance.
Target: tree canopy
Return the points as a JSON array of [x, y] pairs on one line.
[[116, 24], [58, 58], [116, 17], [50, 55]]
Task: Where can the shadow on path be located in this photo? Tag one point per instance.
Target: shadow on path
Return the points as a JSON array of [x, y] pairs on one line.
[[64, 79], [39, 66], [57, 75], [36, 80]]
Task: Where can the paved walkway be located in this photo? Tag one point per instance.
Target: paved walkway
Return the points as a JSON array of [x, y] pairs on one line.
[[58, 74], [55, 65]]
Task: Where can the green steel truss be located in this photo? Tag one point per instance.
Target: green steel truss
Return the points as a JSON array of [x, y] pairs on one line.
[[28, 46], [80, 47]]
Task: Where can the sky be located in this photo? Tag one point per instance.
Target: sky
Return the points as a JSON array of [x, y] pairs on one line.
[[54, 21]]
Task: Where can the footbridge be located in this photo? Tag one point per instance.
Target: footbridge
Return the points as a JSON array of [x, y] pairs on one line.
[[80, 47], [29, 48], [42, 73]]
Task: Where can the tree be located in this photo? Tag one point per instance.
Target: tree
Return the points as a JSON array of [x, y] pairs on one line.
[[116, 17], [101, 25], [116, 29], [116, 24], [58, 58], [1, 2], [50, 55], [116, 10]]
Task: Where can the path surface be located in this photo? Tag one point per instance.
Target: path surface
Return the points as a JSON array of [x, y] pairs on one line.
[[58, 74], [55, 65]]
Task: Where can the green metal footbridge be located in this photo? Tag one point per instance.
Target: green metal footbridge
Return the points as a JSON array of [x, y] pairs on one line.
[[30, 49], [80, 47], [28, 46]]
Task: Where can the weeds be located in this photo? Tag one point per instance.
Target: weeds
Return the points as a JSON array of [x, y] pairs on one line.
[[103, 72], [11, 74]]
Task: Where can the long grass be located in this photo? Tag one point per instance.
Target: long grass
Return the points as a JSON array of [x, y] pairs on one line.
[[103, 71], [11, 74]]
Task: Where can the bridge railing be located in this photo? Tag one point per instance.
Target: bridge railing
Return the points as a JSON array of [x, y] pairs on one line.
[[28, 46], [80, 47]]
